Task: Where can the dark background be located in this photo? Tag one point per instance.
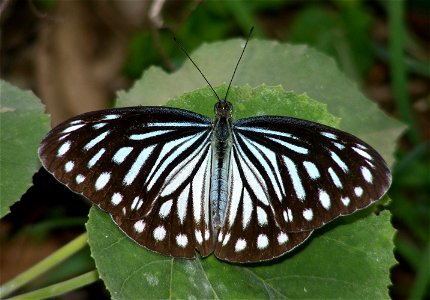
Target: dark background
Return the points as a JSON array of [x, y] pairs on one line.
[[75, 55]]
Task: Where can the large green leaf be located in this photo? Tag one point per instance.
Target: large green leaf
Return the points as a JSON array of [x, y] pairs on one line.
[[348, 261], [349, 258], [23, 124], [296, 68]]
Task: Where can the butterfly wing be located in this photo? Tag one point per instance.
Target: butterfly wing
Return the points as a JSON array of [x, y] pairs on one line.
[[147, 166], [290, 176]]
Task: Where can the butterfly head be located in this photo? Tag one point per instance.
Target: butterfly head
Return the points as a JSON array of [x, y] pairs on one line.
[[223, 109]]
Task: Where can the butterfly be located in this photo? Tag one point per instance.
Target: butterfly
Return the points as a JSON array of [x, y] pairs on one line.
[[247, 190]]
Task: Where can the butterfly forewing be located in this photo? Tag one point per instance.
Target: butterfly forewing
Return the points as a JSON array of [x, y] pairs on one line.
[[147, 166], [309, 173]]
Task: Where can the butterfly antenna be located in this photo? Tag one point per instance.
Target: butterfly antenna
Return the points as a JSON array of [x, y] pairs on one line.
[[201, 73], [234, 72]]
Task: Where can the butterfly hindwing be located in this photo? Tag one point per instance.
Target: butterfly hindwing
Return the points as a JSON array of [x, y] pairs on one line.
[[251, 232]]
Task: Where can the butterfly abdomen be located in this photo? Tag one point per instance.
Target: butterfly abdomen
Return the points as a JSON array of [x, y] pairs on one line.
[[221, 148]]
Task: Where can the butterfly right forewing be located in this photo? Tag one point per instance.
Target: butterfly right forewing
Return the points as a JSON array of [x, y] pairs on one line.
[[312, 173]]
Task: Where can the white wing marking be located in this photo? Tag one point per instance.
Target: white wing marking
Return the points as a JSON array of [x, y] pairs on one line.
[[235, 191], [164, 160], [297, 182], [201, 189], [137, 165], [254, 147]]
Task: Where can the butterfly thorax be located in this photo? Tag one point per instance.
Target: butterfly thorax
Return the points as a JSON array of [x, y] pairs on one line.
[[221, 148]]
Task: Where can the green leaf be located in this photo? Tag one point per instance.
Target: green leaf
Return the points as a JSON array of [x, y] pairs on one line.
[[296, 68], [346, 261], [349, 258], [23, 124]]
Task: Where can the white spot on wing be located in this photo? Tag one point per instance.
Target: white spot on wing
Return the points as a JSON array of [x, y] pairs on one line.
[[200, 185], [72, 128], [99, 125], [102, 180], [235, 191], [137, 165], [139, 226], [159, 233], [282, 238], [226, 239], [261, 216], [75, 122], [329, 135], [183, 204], [294, 175], [64, 148], [96, 140], [110, 117], [137, 203], [361, 146], [262, 241], [247, 209], [69, 166], [358, 191], [116, 199], [339, 162], [96, 158], [79, 178], [122, 154], [182, 240], [308, 214], [362, 153], [143, 136], [345, 200], [134, 203], [177, 124], [165, 209], [366, 174], [335, 178], [312, 169], [290, 146], [324, 199], [199, 237], [240, 245], [339, 146], [269, 132]]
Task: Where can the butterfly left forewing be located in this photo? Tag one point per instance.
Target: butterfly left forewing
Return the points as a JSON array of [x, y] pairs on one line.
[[142, 165]]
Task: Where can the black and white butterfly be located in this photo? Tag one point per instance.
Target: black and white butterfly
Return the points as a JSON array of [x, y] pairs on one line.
[[247, 190]]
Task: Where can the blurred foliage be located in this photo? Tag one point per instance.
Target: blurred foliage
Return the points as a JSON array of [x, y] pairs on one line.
[[343, 34]]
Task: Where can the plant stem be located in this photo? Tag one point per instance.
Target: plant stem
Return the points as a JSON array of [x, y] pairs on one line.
[[60, 288], [398, 69], [423, 276], [49, 262]]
